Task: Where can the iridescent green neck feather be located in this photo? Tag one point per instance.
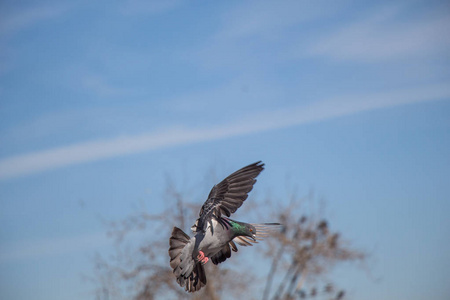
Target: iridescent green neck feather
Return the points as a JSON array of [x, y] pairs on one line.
[[238, 228]]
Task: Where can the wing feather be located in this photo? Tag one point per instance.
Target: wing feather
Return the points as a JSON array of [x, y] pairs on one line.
[[228, 195], [224, 253]]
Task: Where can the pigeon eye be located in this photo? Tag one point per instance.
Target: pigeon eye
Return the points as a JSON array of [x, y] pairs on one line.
[[251, 230]]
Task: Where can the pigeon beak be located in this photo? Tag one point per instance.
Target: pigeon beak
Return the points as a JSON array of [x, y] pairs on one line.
[[254, 237]]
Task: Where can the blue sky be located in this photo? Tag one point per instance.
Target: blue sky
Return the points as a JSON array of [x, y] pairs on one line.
[[99, 101]]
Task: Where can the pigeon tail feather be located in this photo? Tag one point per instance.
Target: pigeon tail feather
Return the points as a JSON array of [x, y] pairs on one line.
[[190, 274]]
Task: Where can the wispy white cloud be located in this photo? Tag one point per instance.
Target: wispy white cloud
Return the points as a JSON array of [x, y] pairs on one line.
[[152, 7], [20, 20], [251, 28], [99, 86], [269, 18], [386, 36], [125, 145], [38, 248]]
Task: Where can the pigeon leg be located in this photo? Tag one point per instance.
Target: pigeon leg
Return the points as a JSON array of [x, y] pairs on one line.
[[202, 258], [204, 261], [200, 255]]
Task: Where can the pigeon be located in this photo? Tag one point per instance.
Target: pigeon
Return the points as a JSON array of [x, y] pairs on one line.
[[215, 234]]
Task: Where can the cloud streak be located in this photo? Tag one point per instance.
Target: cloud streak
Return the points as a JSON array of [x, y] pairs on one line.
[[263, 121], [385, 36], [133, 7], [29, 17], [31, 249]]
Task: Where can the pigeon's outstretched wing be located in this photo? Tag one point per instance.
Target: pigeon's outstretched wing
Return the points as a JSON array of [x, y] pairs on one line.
[[227, 196]]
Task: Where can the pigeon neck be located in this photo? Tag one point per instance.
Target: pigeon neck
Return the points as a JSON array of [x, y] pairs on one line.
[[237, 227]]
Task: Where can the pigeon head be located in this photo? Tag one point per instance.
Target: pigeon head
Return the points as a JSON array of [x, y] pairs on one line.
[[243, 229]]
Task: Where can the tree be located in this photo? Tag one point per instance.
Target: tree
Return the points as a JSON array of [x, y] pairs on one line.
[[297, 256]]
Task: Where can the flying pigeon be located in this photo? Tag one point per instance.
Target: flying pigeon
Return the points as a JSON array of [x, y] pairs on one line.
[[215, 234]]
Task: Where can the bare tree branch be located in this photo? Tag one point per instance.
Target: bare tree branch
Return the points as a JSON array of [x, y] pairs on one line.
[[305, 250]]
